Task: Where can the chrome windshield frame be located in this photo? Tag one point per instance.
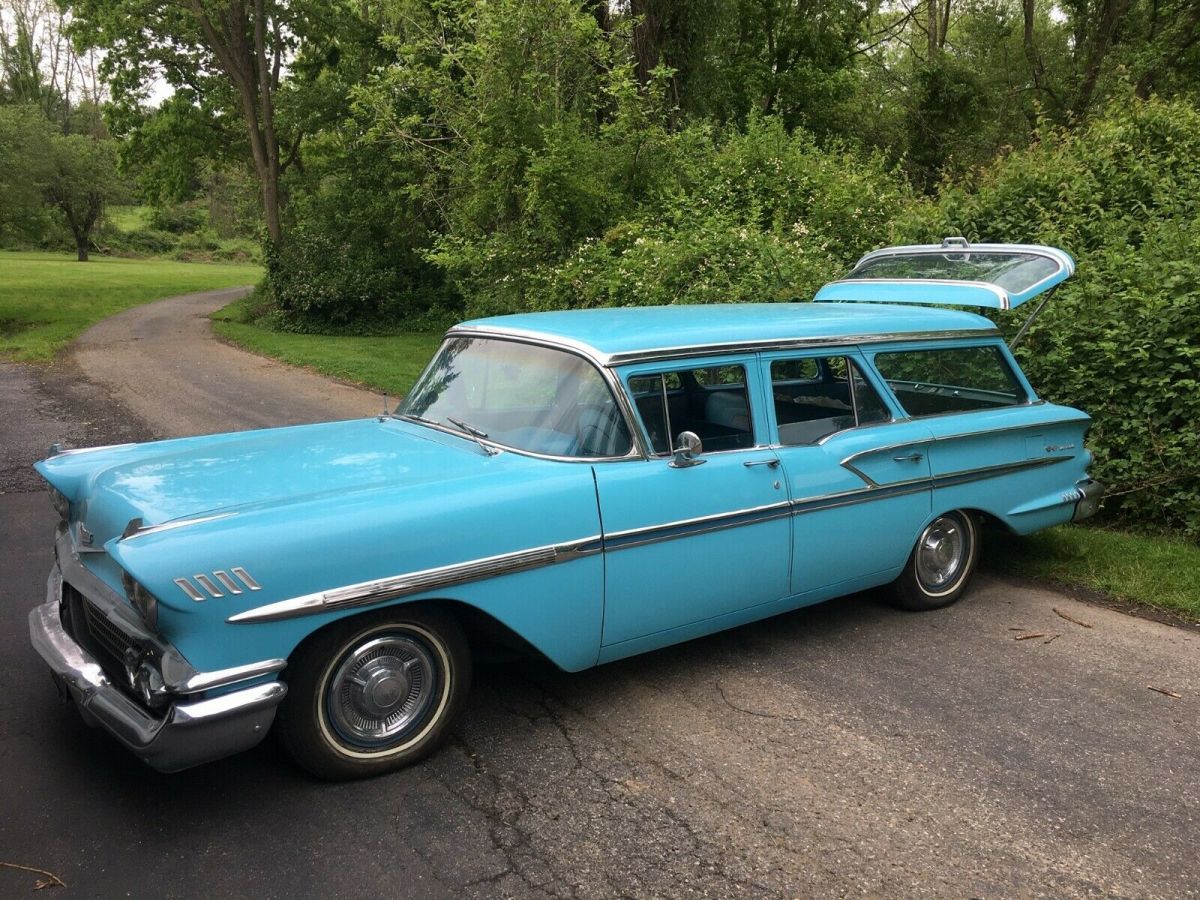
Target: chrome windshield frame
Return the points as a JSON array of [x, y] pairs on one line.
[[637, 448]]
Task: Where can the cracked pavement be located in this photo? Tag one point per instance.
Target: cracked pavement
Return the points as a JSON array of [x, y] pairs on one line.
[[844, 749]]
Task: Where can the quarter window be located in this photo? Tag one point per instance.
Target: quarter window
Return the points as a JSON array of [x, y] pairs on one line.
[[817, 396], [712, 402], [949, 380]]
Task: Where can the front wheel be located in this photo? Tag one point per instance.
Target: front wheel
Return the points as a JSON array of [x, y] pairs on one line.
[[375, 693], [941, 564]]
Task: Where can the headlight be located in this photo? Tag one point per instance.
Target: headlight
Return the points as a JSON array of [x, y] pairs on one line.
[[61, 504], [143, 601]]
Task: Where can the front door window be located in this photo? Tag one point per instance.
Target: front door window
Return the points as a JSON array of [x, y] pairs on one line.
[[712, 402]]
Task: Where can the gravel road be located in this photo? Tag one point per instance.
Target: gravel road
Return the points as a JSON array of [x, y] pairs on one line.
[[846, 749], [163, 363]]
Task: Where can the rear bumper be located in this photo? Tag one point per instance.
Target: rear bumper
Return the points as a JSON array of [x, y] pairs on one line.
[[185, 735], [1090, 493]]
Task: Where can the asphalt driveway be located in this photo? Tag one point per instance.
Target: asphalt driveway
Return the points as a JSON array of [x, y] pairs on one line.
[[843, 749]]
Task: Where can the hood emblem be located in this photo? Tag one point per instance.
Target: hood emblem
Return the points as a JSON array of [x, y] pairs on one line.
[[240, 580]]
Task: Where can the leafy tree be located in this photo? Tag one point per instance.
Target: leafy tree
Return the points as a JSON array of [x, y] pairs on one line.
[[24, 135], [39, 66], [227, 58], [81, 180]]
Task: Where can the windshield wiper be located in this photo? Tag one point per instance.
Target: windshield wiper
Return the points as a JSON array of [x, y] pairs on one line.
[[475, 434], [413, 418]]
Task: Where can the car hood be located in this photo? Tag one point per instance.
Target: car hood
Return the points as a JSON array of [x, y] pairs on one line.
[[176, 480]]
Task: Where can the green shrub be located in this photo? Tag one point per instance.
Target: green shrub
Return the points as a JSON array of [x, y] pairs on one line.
[[144, 240], [322, 282], [1122, 338], [181, 218], [760, 215]]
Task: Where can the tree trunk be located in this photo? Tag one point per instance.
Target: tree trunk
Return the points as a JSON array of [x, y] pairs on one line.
[[81, 248], [241, 50], [270, 194], [647, 39], [1037, 66], [1110, 19]]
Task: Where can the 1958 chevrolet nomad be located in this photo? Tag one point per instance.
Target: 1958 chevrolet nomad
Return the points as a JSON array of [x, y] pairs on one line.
[[588, 484]]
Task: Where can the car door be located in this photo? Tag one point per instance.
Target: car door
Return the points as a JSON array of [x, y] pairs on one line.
[[857, 479], [693, 543]]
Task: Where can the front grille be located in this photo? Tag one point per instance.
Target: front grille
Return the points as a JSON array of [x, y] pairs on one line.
[[103, 632]]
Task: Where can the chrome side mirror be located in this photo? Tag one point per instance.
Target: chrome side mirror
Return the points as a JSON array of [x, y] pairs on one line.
[[688, 448]]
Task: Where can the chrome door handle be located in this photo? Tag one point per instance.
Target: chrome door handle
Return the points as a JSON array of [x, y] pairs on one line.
[[912, 457], [769, 463]]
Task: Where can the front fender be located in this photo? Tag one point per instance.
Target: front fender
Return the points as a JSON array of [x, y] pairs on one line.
[[323, 545]]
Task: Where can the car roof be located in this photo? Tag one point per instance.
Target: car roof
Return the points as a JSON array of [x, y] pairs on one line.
[[617, 335]]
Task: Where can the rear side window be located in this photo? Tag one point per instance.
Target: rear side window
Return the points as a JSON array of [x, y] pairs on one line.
[[947, 380], [817, 396]]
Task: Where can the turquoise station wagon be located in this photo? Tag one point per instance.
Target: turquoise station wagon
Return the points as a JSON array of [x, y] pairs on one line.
[[585, 485]]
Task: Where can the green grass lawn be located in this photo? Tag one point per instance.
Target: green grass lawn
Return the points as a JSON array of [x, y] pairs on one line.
[[49, 299], [1155, 571], [388, 363]]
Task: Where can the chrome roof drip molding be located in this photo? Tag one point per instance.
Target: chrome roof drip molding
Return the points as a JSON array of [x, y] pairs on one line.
[[664, 354], [689, 351], [579, 348]]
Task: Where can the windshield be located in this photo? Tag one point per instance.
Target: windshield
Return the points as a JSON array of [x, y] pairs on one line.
[[521, 396]]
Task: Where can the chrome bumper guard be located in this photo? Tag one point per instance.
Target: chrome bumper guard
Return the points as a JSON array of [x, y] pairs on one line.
[[1090, 493], [186, 735]]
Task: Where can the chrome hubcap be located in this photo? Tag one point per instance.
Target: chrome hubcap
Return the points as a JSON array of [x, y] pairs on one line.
[[381, 689], [941, 553]]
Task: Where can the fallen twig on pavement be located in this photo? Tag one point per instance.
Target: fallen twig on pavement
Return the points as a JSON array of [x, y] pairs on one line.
[[54, 880], [1029, 637], [1164, 692], [1062, 615], [1053, 637]]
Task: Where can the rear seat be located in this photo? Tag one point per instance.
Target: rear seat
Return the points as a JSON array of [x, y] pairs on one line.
[[729, 409]]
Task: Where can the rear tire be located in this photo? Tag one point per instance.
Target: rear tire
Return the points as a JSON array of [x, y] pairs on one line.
[[374, 693], [940, 565]]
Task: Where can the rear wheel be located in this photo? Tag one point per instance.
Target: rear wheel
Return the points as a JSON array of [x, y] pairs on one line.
[[375, 693], [941, 563]]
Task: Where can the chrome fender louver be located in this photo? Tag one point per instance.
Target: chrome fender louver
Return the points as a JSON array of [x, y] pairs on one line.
[[234, 583]]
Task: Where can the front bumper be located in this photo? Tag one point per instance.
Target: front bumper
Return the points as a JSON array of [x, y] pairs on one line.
[[187, 733], [1090, 493]]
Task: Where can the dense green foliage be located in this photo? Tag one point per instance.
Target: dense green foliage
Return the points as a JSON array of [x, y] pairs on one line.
[[24, 132], [417, 161], [1122, 338], [759, 214]]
